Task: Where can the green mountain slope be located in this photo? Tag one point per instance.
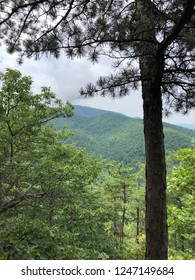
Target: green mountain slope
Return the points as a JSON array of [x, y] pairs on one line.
[[116, 136]]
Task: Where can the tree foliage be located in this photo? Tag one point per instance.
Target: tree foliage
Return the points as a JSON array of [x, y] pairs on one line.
[[23, 137], [181, 188]]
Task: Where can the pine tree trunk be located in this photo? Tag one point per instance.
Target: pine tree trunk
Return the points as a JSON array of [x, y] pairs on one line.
[[156, 226], [151, 69]]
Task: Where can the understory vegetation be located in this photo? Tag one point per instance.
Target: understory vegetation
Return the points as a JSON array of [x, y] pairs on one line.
[[58, 201]]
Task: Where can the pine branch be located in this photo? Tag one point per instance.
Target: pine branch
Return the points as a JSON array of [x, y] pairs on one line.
[[184, 19], [20, 7]]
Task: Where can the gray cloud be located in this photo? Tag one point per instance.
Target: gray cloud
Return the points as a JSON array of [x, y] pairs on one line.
[[66, 77]]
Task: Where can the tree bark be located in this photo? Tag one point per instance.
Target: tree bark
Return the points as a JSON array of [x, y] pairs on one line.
[[156, 225], [151, 70]]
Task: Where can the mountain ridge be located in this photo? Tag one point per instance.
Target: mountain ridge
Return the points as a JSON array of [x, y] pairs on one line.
[[116, 136], [84, 111]]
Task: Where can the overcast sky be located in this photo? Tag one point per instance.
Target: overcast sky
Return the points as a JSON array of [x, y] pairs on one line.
[[66, 77]]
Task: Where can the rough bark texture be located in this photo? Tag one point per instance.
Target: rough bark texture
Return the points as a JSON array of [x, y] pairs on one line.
[[151, 68], [156, 227]]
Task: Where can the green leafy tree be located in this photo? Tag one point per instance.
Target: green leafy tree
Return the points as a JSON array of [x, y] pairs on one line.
[[65, 222], [23, 137], [181, 194], [151, 43], [42, 180]]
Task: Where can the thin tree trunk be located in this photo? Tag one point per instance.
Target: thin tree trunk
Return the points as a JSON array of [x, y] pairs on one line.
[[137, 224], [1, 191], [124, 206]]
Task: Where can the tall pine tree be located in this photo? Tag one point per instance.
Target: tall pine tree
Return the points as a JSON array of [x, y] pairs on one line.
[[152, 44]]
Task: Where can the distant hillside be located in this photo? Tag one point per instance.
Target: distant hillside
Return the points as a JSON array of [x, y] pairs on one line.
[[116, 136], [189, 126]]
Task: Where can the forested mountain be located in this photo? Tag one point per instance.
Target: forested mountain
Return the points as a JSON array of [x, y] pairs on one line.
[[116, 136]]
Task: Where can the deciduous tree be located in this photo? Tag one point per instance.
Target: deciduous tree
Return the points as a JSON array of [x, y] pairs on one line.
[[181, 198], [25, 140]]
